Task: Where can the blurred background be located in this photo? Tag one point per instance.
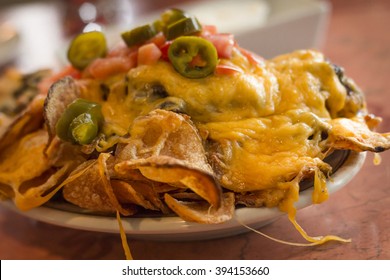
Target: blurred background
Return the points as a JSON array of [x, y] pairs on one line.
[[34, 34]]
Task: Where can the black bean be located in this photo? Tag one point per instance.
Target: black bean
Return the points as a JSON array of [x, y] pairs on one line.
[[324, 135], [379, 149], [105, 91]]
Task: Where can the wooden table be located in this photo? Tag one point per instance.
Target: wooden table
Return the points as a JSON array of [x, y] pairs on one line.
[[358, 40]]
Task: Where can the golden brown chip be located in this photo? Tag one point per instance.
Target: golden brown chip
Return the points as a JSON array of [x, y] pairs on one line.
[[29, 120], [147, 189], [61, 94], [165, 133], [130, 175], [354, 134], [86, 190], [62, 153], [267, 198], [127, 194], [202, 212], [89, 187], [16, 165], [17, 89], [30, 183], [184, 195], [163, 188], [172, 171], [166, 147]]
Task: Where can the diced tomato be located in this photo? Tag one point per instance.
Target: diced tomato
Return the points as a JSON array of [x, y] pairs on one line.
[[254, 59], [121, 49], [224, 69], [158, 40], [197, 61], [224, 43], [208, 30], [103, 68], [148, 54], [164, 50], [45, 84]]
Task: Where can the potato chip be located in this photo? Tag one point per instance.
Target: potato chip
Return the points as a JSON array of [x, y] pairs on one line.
[[172, 171], [147, 189], [17, 89], [354, 134], [61, 94], [86, 190], [16, 165], [89, 187], [26, 122], [263, 198], [185, 195], [31, 183], [127, 194], [202, 212], [165, 133], [163, 188], [167, 148]]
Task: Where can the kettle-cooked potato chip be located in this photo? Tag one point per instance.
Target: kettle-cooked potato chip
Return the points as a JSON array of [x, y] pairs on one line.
[[166, 148], [201, 212], [354, 134], [89, 187]]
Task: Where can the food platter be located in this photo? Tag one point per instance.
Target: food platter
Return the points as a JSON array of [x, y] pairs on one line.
[[345, 164]]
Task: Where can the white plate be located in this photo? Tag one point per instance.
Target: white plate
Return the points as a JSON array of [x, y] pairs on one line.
[[174, 228]]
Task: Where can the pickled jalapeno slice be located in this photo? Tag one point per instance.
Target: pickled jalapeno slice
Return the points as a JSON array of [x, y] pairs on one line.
[[139, 35], [172, 15], [85, 48], [183, 27], [168, 17], [193, 57], [84, 128], [79, 122]]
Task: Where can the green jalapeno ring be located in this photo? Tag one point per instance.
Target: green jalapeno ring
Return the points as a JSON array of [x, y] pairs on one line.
[[172, 15], [84, 128], [193, 57], [75, 109], [85, 48], [94, 113], [158, 25], [183, 27], [139, 35], [168, 17]]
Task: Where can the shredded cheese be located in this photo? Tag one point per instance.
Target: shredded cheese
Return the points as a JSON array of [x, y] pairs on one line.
[[313, 241], [122, 232]]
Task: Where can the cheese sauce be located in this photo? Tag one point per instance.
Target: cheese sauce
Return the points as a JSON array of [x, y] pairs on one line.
[[267, 120]]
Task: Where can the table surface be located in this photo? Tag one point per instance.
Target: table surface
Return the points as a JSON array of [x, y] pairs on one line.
[[356, 40]]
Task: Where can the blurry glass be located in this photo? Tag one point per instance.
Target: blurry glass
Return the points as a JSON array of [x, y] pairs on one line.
[[82, 15], [77, 14]]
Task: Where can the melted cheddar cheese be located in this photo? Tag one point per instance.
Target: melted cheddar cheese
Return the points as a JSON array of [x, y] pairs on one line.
[[267, 120]]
